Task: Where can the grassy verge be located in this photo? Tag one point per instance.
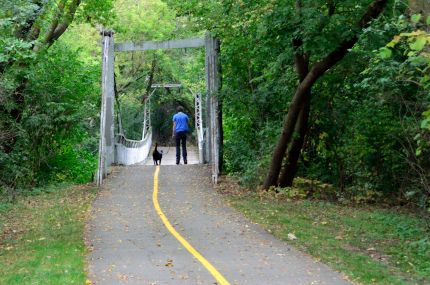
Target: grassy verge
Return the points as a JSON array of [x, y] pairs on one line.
[[42, 238], [370, 245]]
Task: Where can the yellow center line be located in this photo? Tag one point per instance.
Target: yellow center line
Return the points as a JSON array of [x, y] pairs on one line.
[[219, 278]]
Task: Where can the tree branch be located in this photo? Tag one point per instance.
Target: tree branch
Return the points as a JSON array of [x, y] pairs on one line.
[[335, 56], [150, 81], [53, 26], [301, 59], [57, 29], [125, 86], [61, 28], [331, 8]]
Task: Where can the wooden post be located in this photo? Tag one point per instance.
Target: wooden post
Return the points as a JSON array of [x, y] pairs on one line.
[[213, 86], [207, 136], [107, 138], [199, 125]]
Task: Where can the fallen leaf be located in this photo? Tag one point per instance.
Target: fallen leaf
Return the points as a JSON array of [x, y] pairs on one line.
[[291, 236], [123, 277], [169, 263]]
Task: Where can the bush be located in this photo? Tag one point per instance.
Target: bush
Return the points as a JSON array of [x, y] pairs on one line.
[[52, 140]]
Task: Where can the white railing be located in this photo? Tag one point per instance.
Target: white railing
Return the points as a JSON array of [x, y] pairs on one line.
[[130, 152], [199, 126]]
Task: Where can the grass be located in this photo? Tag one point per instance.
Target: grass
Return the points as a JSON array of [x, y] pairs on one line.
[[370, 245], [42, 237]]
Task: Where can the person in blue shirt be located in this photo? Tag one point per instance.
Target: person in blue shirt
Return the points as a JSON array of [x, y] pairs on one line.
[[179, 132]]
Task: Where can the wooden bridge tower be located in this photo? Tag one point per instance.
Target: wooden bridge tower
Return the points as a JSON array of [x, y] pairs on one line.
[[213, 84]]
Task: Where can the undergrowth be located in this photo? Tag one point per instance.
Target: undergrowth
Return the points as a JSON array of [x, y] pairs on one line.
[[369, 243]]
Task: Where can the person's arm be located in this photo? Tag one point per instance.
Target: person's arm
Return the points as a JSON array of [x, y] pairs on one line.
[[174, 128]]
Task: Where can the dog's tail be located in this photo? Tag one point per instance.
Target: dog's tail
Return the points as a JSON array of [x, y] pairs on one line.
[[156, 144]]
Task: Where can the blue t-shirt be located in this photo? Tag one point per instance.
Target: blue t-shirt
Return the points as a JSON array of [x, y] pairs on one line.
[[181, 120]]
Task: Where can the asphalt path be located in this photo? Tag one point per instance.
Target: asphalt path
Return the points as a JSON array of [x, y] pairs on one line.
[[131, 244]]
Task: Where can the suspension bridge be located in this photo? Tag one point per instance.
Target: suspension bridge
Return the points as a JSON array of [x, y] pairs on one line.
[[165, 224], [116, 148]]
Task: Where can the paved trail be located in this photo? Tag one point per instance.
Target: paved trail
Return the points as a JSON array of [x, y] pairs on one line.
[[131, 245]]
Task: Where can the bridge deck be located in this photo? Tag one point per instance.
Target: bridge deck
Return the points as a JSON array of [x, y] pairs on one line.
[[169, 155]]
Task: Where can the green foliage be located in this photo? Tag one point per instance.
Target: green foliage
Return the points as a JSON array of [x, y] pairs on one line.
[[147, 20], [164, 104], [368, 138], [12, 48], [48, 92], [85, 41], [96, 12], [56, 124], [66, 92], [154, 20], [407, 72], [369, 123], [243, 156], [72, 163], [367, 135]]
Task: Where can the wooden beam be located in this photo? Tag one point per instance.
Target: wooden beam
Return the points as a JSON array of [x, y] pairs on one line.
[[213, 85], [185, 43], [107, 137]]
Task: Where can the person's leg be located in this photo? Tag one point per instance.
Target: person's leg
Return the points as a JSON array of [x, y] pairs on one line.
[[184, 147], [178, 148]]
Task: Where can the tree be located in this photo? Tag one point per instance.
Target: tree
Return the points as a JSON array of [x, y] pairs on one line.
[[35, 26], [303, 91], [39, 123]]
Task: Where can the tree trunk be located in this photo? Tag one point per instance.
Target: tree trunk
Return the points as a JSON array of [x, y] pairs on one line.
[[290, 168], [302, 93], [301, 62], [150, 81]]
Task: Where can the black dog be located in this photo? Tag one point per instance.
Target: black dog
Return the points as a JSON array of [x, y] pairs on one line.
[[157, 155]]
